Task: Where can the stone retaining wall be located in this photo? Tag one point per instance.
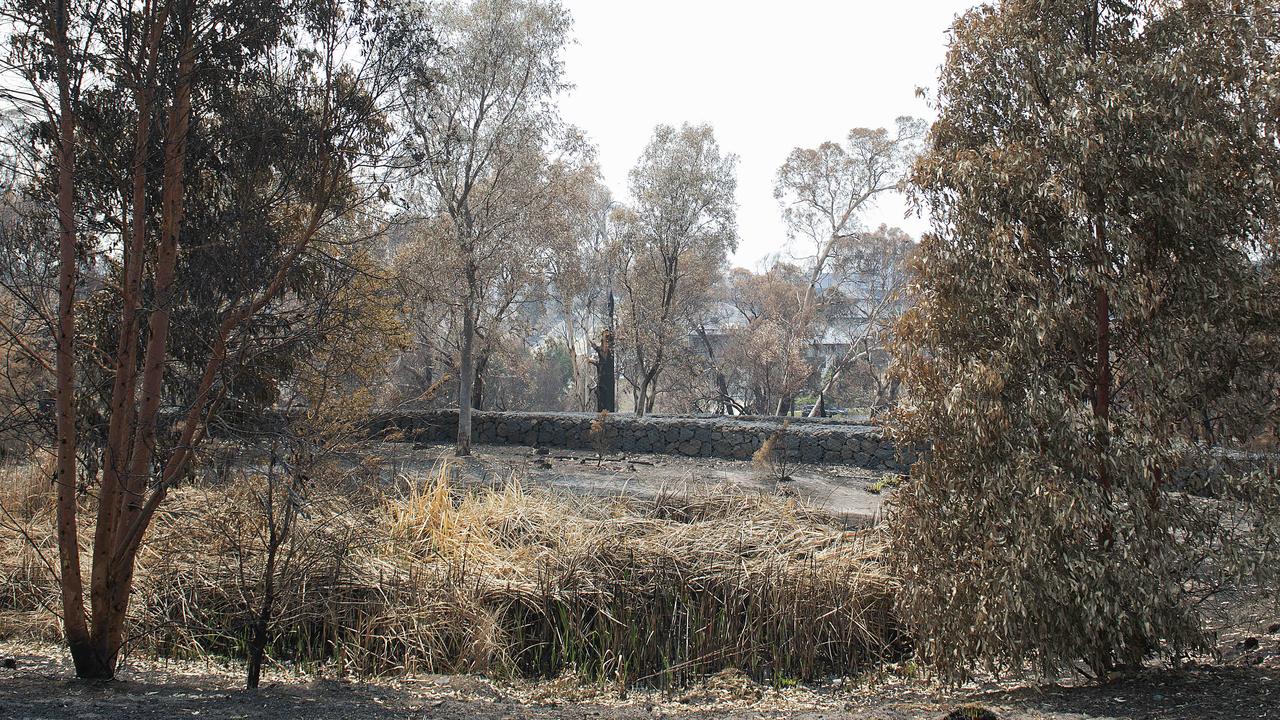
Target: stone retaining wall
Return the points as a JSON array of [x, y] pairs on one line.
[[715, 436]]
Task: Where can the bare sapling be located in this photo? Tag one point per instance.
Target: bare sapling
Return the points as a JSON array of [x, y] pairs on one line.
[[599, 441]]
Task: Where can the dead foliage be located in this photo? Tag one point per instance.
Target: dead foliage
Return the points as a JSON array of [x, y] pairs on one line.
[[509, 581]]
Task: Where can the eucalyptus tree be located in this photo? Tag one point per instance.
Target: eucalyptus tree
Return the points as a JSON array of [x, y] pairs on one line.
[[864, 294], [1101, 179], [760, 358], [579, 265], [207, 164], [824, 192], [676, 240], [483, 123]]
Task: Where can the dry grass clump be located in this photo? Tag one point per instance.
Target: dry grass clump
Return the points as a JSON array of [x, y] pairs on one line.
[[26, 507], [520, 581], [771, 457], [25, 490]]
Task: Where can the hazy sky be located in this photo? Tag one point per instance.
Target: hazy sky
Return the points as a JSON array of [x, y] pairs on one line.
[[767, 76]]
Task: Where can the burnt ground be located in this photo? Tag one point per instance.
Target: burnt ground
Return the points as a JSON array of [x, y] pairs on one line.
[[844, 491], [1241, 682], [40, 687]]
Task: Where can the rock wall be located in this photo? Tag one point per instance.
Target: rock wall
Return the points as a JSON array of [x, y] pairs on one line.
[[809, 441]]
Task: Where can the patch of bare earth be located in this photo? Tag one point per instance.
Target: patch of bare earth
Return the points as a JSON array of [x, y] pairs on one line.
[[844, 491], [41, 687]]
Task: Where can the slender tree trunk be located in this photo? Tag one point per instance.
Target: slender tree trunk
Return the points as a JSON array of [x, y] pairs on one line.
[[466, 367], [113, 580], [477, 387], [642, 396], [1102, 390], [123, 393], [1102, 373], [277, 535], [258, 635], [74, 622], [819, 409], [579, 392], [1102, 302]]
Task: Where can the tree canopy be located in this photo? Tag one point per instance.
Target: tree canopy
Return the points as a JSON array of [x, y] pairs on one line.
[[1101, 179]]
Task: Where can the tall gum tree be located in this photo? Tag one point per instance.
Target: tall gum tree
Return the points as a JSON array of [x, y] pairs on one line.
[[823, 193], [481, 131], [676, 239], [171, 72], [758, 356], [1101, 178], [579, 263]]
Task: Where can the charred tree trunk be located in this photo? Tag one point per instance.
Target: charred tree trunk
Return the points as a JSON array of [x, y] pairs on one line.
[[606, 377], [606, 384], [259, 633], [724, 400]]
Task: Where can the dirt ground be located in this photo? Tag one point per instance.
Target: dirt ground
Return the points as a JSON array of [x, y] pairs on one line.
[[1242, 682], [40, 688], [844, 491]]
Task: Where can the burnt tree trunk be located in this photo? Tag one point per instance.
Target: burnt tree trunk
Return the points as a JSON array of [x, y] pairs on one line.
[[606, 381], [606, 387], [259, 633]]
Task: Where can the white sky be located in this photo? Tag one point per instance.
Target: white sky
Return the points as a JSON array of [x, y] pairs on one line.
[[767, 76]]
